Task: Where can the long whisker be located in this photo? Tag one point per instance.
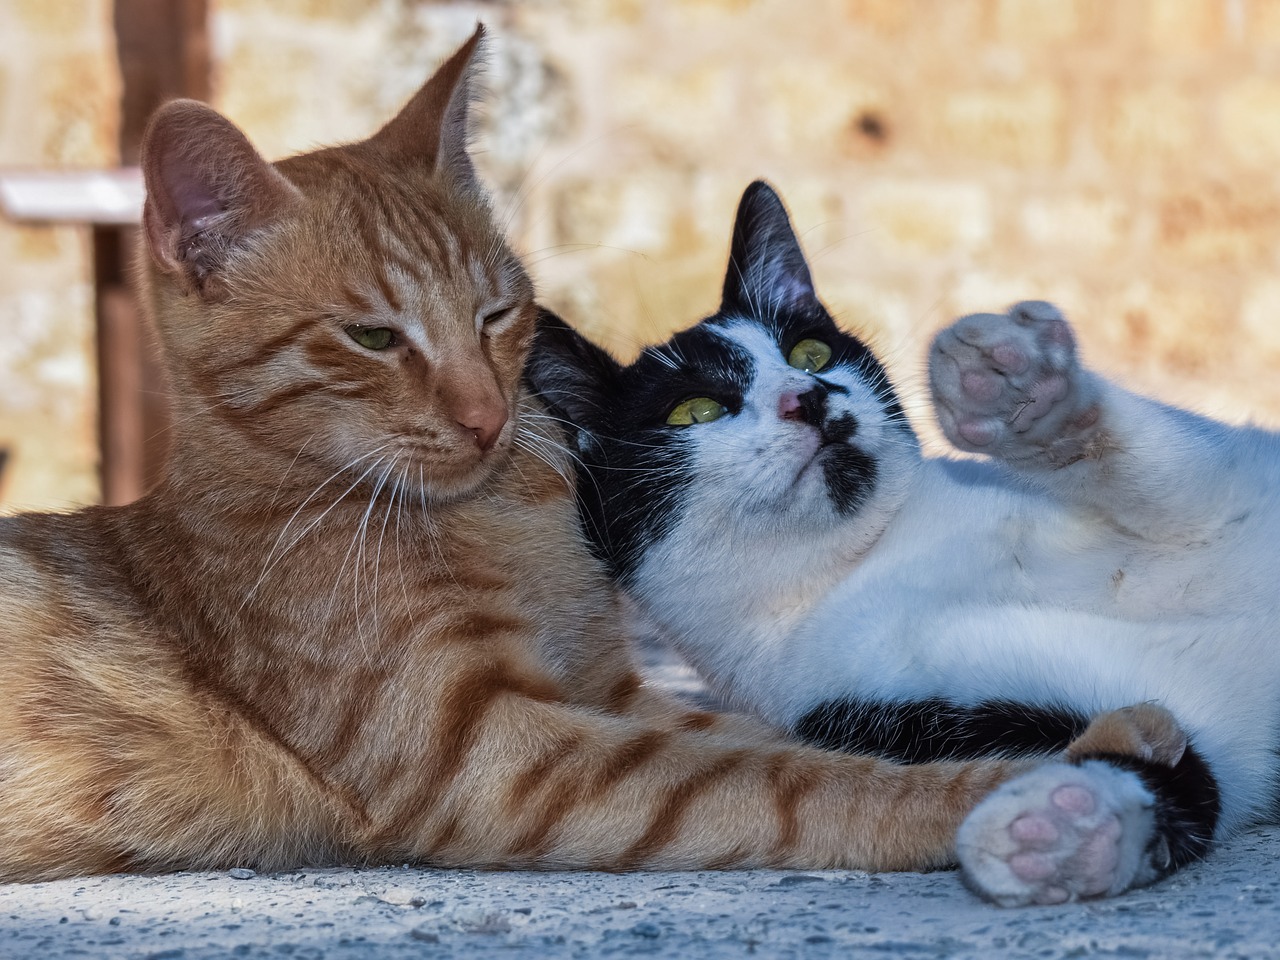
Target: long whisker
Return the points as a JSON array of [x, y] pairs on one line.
[[272, 560]]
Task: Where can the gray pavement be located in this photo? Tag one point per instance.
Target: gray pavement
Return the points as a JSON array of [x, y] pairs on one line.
[[1226, 907]]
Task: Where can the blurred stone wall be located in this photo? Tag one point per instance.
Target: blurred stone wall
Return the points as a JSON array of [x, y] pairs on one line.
[[59, 92], [938, 156]]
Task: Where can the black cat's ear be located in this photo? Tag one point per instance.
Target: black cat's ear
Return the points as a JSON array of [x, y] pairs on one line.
[[433, 128], [571, 375], [767, 271], [208, 190]]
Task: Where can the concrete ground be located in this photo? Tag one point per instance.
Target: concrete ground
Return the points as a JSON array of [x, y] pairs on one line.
[[1228, 907]]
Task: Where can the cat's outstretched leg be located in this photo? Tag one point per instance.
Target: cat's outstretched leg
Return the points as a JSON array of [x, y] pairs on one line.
[[1011, 386], [1133, 803]]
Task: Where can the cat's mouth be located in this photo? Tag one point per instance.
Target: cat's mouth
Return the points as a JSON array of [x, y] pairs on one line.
[[834, 433], [815, 460]]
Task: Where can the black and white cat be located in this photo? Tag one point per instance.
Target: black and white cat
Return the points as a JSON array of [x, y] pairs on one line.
[[756, 488]]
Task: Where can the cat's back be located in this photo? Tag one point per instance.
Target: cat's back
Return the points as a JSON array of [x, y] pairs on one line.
[[59, 573], [70, 617]]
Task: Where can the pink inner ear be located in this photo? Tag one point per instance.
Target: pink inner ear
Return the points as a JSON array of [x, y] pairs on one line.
[[202, 174], [192, 199], [792, 290]]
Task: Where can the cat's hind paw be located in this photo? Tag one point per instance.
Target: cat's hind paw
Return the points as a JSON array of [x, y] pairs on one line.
[[1009, 385], [1061, 832]]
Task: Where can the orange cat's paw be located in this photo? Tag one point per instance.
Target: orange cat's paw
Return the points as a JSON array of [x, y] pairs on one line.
[[1145, 731], [1061, 832]]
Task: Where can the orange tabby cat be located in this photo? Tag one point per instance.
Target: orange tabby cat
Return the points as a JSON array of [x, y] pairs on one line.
[[356, 621]]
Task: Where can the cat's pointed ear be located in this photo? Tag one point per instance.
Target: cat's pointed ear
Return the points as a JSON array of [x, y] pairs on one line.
[[432, 129], [571, 374], [208, 190], [767, 270]]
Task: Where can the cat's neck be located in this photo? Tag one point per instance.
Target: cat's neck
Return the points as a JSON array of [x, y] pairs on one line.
[[298, 557], [730, 601]]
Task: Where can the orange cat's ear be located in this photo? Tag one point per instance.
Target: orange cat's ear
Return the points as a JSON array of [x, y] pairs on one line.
[[207, 191], [432, 128]]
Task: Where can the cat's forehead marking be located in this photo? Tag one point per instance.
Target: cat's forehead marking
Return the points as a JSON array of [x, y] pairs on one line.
[[701, 350], [750, 336]]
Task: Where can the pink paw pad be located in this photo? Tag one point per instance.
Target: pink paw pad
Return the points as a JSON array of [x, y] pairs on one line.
[[1059, 833], [1032, 866], [980, 386], [1059, 332], [980, 433], [1034, 830], [1011, 357], [1073, 799], [1050, 896]]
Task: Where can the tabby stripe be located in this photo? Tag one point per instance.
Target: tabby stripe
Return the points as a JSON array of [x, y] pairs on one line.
[[575, 788], [373, 238], [697, 720], [410, 266], [273, 402], [360, 695], [229, 700], [329, 355], [534, 775], [447, 833], [265, 352], [408, 219], [620, 694], [666, 823], [737, 857], [356, 300], [477, 625], [466, 704], [384, 285], [790, 784], [425, 225]]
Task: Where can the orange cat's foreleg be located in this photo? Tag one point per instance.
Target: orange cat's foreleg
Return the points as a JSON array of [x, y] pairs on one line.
[[543, 784]]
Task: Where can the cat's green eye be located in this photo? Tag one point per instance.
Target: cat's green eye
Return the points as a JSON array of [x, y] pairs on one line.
[[372, 338], [809, 355], [697, 410]]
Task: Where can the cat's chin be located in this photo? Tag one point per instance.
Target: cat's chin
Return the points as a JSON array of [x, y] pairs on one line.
[[444, 485]]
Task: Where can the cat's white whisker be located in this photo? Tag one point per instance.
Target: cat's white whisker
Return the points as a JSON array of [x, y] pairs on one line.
[[272, 557]]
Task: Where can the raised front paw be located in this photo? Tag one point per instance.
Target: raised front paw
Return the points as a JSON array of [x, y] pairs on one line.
[[1009, 385], [1061, 832]]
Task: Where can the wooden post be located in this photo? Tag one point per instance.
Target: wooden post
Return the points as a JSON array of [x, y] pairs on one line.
[[164, 53]]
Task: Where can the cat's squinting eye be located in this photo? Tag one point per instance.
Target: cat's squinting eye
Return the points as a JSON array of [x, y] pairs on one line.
[[809, 355], [495, 317], [372, 338], [697, 410]]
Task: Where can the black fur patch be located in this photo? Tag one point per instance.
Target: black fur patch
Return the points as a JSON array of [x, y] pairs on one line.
[[1188, 804], [850, 476], [923, 731]]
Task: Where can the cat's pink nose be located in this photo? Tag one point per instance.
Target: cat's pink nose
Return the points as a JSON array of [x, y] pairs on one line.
[[790, 407], [484, 424]]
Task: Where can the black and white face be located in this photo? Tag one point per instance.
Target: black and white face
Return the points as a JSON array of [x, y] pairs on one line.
[[765, 424]]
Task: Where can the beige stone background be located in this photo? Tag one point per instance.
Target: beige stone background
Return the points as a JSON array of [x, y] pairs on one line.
[[1120, 157]]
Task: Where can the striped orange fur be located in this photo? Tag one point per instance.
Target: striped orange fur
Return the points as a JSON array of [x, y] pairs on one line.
[[356, 621]]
